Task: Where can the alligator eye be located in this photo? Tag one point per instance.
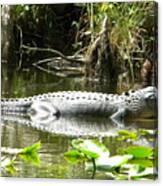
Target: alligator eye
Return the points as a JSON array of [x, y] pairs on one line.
[[126, 93], [151, 97], [57, 114], [132, 91]]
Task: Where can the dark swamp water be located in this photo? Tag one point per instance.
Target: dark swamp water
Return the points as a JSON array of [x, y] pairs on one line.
[[57, 140]]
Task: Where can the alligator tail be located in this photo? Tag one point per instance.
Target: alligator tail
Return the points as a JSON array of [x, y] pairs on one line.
[[14, 106]]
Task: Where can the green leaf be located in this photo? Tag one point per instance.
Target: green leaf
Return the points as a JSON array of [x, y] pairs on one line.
[[74, 156], [10, 169], [33, 148], [30, 154], [104, 7], [121, 177], [139, 151], [31, 158], [8, 165], [145, 132], [125, 135], [90, 148], [142, 162]]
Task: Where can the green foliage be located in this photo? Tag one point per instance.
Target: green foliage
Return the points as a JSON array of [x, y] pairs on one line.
[[10, 168], [8, 165], [46, 25], [87, 150], [127, 135], [132, 30], [133, 162], [90, 148], [142, 161], [139, 151], [74, 156], [28, 154], [35, 13], [146, 132]]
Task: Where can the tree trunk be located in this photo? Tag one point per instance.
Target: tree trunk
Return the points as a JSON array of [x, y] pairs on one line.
[[7, 37]]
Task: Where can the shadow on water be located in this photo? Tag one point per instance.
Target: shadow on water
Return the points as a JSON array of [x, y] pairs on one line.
[[56, 136]]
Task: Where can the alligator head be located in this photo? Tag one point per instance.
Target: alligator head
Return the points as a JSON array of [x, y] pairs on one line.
[[147, 102], [150, 95]]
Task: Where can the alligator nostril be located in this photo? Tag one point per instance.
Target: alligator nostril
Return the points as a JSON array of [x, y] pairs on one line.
[[129, 101], [32, 112]]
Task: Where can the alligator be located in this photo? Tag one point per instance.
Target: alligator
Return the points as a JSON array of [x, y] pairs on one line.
[[47, 108]]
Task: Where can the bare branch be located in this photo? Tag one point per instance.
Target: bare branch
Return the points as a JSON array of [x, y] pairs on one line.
[[52, 51]]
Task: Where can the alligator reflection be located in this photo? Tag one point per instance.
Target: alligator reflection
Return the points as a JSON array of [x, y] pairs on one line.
[[76, 126]]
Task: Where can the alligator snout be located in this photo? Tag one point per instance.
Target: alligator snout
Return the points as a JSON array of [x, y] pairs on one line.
[[150, 93]]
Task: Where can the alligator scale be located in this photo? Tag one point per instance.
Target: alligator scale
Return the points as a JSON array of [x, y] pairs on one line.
[[46, 107]]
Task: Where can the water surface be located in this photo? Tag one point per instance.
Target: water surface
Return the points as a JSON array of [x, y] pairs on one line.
[[56, 142]]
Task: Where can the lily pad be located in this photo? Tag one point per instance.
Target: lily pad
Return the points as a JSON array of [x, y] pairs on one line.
[[136, 172], [142, 162], [127, 135], [139, 151], [110, 164], [91, 148], [147, 132], [74, 156]]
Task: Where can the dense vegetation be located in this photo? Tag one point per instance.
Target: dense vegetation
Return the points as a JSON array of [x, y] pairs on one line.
[[10, 158], [72, 28]]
